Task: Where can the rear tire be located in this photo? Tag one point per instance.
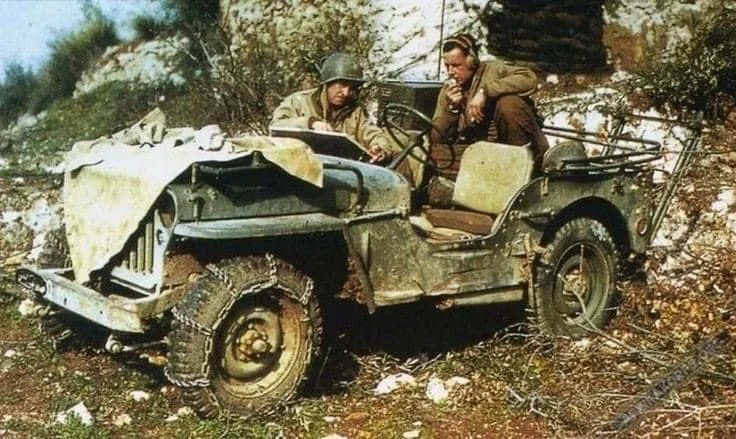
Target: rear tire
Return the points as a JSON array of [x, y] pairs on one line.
[[576, 279], [244, 340]]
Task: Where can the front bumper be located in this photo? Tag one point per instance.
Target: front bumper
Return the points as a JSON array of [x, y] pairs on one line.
[[113, 312]]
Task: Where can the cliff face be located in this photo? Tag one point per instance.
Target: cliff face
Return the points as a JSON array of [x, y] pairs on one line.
[[554, 35], [157, 62]]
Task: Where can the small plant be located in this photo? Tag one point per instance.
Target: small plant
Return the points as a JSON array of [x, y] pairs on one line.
[[699, 74], [72, 55], [15, 92], [149, 28], [75, 429]]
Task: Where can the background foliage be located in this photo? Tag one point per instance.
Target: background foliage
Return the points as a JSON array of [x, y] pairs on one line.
[[274, 51], [699, 74], [23, 91], [195, 16], [16, 92], [241, 70], [71, 56]]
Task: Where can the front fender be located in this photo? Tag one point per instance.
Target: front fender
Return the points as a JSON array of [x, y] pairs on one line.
[[260, 227]]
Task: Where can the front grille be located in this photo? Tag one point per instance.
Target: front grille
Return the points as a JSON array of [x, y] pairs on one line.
[[140, 250]]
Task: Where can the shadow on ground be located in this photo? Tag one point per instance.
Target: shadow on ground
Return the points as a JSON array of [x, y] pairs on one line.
[[413, 331]]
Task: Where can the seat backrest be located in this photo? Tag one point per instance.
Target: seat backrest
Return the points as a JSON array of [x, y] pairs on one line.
[[490, 174]]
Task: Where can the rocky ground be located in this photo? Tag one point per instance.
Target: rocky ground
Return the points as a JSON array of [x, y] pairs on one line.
[[414, 371]]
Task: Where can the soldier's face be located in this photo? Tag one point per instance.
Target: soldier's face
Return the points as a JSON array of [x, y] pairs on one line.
[[340, 93], [456, 63]]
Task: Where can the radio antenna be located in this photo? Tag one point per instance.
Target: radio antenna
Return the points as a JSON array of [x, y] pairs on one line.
[[442, 37]]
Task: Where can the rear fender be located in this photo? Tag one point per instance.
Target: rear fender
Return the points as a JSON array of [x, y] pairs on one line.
[[542, 206]]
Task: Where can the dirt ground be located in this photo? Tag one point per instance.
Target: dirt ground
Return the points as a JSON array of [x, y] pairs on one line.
[[642, 376]]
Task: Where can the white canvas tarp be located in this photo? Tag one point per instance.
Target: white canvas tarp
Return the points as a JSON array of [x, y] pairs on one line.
[[110, 184]]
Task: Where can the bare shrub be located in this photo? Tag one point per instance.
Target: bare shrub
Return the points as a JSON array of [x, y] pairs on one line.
[[192, 15], [271, 50], [699, 74], [147, 27], [72, 55]]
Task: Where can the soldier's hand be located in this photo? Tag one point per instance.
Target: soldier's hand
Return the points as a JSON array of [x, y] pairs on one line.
[[454, 95], [476, 106], [378, 155], [321, 125]]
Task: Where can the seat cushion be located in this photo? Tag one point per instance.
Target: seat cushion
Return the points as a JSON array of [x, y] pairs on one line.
[[472, 222], [426, 229]]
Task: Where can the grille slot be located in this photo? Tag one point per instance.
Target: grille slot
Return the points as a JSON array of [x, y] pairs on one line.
[[140, 250]]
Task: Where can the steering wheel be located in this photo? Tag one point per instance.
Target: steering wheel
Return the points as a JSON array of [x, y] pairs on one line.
[[388, 119]]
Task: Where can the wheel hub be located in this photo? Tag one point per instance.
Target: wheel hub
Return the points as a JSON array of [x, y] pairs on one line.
[[574, 284], [252, 344]]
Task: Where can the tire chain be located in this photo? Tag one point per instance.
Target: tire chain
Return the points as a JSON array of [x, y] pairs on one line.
[[203, 380]]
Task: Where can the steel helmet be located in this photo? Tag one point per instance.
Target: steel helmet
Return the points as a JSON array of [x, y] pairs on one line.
[[341, 66]]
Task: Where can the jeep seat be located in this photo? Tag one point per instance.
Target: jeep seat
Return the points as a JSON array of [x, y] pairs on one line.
[[489, 175]]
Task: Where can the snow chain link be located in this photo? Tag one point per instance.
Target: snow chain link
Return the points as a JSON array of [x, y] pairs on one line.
[[203, 379]]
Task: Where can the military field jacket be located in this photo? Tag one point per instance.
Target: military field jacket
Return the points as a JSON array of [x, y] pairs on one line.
[[495, 78], [303, 108]]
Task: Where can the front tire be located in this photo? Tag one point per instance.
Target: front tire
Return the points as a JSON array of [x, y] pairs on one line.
[[245, 338], [576, 279]]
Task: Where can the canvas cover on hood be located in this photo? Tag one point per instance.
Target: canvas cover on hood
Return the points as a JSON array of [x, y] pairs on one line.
[[111, 183]]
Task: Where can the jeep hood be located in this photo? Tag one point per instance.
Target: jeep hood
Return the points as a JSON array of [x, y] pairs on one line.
[[110, 184]]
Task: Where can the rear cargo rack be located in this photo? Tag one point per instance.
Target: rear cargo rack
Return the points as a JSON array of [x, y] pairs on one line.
[[623, 153]]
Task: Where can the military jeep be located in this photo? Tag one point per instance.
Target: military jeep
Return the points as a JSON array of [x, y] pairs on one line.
[[234, 254]]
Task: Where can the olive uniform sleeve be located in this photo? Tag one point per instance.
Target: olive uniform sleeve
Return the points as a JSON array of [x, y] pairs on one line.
[[292, 113], [501, 78], [369, 135], [445, 119]]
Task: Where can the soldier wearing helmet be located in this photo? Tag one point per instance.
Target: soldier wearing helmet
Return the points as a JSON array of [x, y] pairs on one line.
[[486, 100], [334, 106]]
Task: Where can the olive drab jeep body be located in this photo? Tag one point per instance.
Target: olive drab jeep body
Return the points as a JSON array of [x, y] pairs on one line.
[[235, 256]]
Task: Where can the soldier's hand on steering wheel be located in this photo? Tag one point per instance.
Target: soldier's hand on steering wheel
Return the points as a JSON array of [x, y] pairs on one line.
[[378, 155]]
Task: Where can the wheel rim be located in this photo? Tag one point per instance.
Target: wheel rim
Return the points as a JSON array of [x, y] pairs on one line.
[[581, 283], [259, 345]]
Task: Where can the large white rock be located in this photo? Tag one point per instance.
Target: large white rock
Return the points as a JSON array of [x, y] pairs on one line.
[[157, 62], [393, 382], [79, 410], [437, 392]]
